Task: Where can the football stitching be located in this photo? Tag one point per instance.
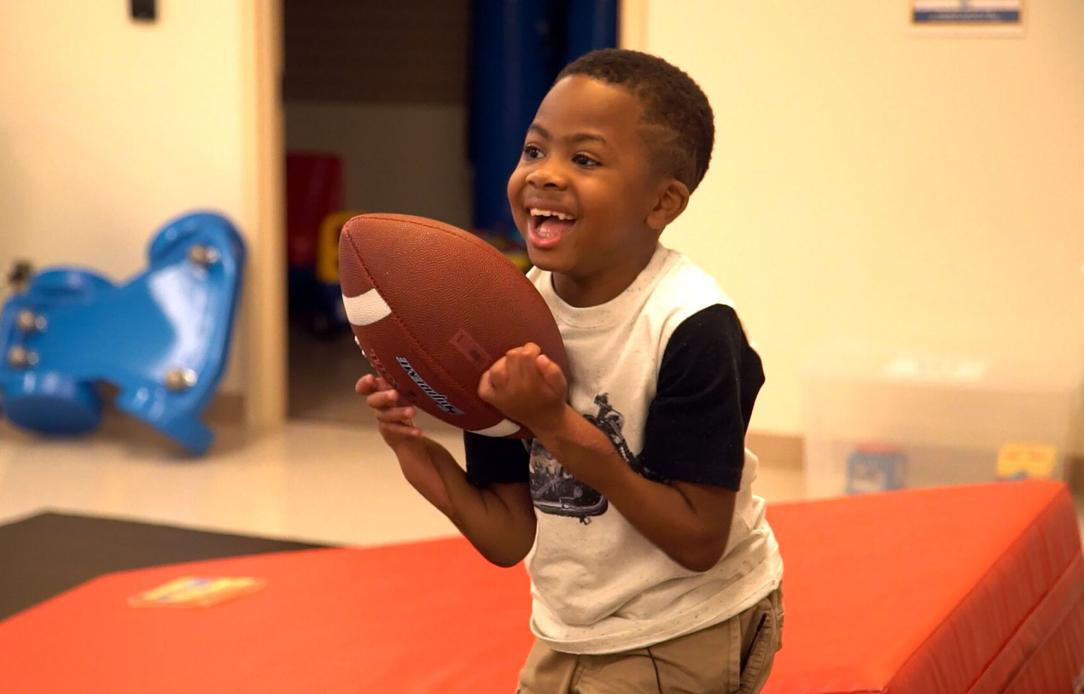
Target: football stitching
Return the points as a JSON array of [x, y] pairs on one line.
[[428, 224], [410, 335]]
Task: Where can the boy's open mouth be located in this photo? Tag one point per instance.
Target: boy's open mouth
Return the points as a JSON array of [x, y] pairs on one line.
[[546, 227]]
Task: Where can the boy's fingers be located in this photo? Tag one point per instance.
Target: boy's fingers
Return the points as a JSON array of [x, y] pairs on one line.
[[382, 399], [527, 352], [551, 372], [546, 365], [485, 387], [398, 429], [497, 374], [396, 414], [369, 384]]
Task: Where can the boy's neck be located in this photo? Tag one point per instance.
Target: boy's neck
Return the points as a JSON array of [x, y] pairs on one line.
[[595, 290]]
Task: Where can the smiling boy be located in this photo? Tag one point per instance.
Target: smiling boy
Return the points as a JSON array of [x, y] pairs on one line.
[[652, 566]]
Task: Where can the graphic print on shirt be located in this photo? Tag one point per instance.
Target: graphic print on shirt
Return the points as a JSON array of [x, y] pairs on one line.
[[610, 422], [557, 492]]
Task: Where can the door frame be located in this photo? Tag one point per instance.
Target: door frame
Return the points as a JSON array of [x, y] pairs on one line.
[[264, 335]]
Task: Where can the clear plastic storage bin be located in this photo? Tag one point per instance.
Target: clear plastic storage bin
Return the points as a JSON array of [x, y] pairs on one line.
[[880, 420]]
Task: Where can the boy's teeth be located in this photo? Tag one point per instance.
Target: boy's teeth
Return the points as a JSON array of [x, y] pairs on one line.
[[545, 232], [537, 212]]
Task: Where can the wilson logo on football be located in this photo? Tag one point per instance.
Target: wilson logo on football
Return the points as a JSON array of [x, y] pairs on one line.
[[440, 399]]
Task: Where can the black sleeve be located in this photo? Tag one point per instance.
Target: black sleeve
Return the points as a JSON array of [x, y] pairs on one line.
[[491, 460], [708, 382]]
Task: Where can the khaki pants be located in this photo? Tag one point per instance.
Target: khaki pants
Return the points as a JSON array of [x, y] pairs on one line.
[[733, 657]]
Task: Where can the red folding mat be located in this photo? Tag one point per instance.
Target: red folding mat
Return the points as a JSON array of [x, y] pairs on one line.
[[965, 589], [959, 589]]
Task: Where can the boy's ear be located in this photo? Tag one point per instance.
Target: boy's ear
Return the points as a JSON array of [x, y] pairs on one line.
[[671, 201]]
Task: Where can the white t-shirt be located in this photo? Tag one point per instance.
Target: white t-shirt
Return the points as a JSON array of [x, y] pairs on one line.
[[664, 369]]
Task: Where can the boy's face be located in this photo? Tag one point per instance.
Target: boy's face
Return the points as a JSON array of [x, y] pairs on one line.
[[584, 188]]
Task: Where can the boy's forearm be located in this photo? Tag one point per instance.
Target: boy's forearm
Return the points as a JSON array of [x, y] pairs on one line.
[[500, 524], [661, 512]]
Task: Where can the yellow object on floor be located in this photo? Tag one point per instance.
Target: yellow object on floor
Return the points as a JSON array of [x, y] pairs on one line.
[[1026, 461]]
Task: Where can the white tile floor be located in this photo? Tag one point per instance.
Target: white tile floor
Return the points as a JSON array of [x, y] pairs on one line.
[[314, 481], [318, 482]]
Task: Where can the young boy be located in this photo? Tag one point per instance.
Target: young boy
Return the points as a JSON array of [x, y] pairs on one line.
[[652, 567]]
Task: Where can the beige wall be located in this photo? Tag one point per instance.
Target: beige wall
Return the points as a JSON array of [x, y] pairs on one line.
[[109, 127], [872, 186], [868, 185]]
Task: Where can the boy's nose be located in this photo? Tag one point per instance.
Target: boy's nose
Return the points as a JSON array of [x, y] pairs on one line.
[[546, 177]]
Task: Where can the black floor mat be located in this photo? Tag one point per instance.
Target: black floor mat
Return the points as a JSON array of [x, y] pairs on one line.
[[49, 553]]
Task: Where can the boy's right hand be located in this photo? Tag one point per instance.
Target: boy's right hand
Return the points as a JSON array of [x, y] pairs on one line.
[[414, 451], [396, 422]]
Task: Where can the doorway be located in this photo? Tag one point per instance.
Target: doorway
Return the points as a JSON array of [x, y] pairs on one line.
[[376, 92], [380, 103]]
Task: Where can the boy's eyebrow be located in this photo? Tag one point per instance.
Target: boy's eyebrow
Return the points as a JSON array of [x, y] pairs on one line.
[[575, 138], [535, 127], [586, 137]]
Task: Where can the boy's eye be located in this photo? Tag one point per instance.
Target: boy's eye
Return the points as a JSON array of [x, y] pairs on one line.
[[585, 161], [531, 152]]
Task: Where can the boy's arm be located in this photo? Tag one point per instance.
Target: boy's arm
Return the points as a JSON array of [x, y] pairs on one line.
[[694, 433], [498, 519], [689, 522]]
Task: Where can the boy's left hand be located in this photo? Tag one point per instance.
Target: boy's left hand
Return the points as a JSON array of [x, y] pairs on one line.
[[526, 386]]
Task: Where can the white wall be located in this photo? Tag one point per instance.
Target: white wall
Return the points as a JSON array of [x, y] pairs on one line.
[[872, 186], [109, 127]]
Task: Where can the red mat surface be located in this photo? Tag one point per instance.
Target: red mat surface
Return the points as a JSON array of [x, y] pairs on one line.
[[967, 589], [937, 590], [426, 617]]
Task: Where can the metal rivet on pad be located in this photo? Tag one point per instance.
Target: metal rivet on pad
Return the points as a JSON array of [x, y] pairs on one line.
[[29, 321], [21, 357], [180, 379], [203, 255]]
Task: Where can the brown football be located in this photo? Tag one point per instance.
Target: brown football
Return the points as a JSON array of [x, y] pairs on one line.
[[433, 307]]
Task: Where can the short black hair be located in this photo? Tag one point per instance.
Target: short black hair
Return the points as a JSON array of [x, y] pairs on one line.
[[673, 104]]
